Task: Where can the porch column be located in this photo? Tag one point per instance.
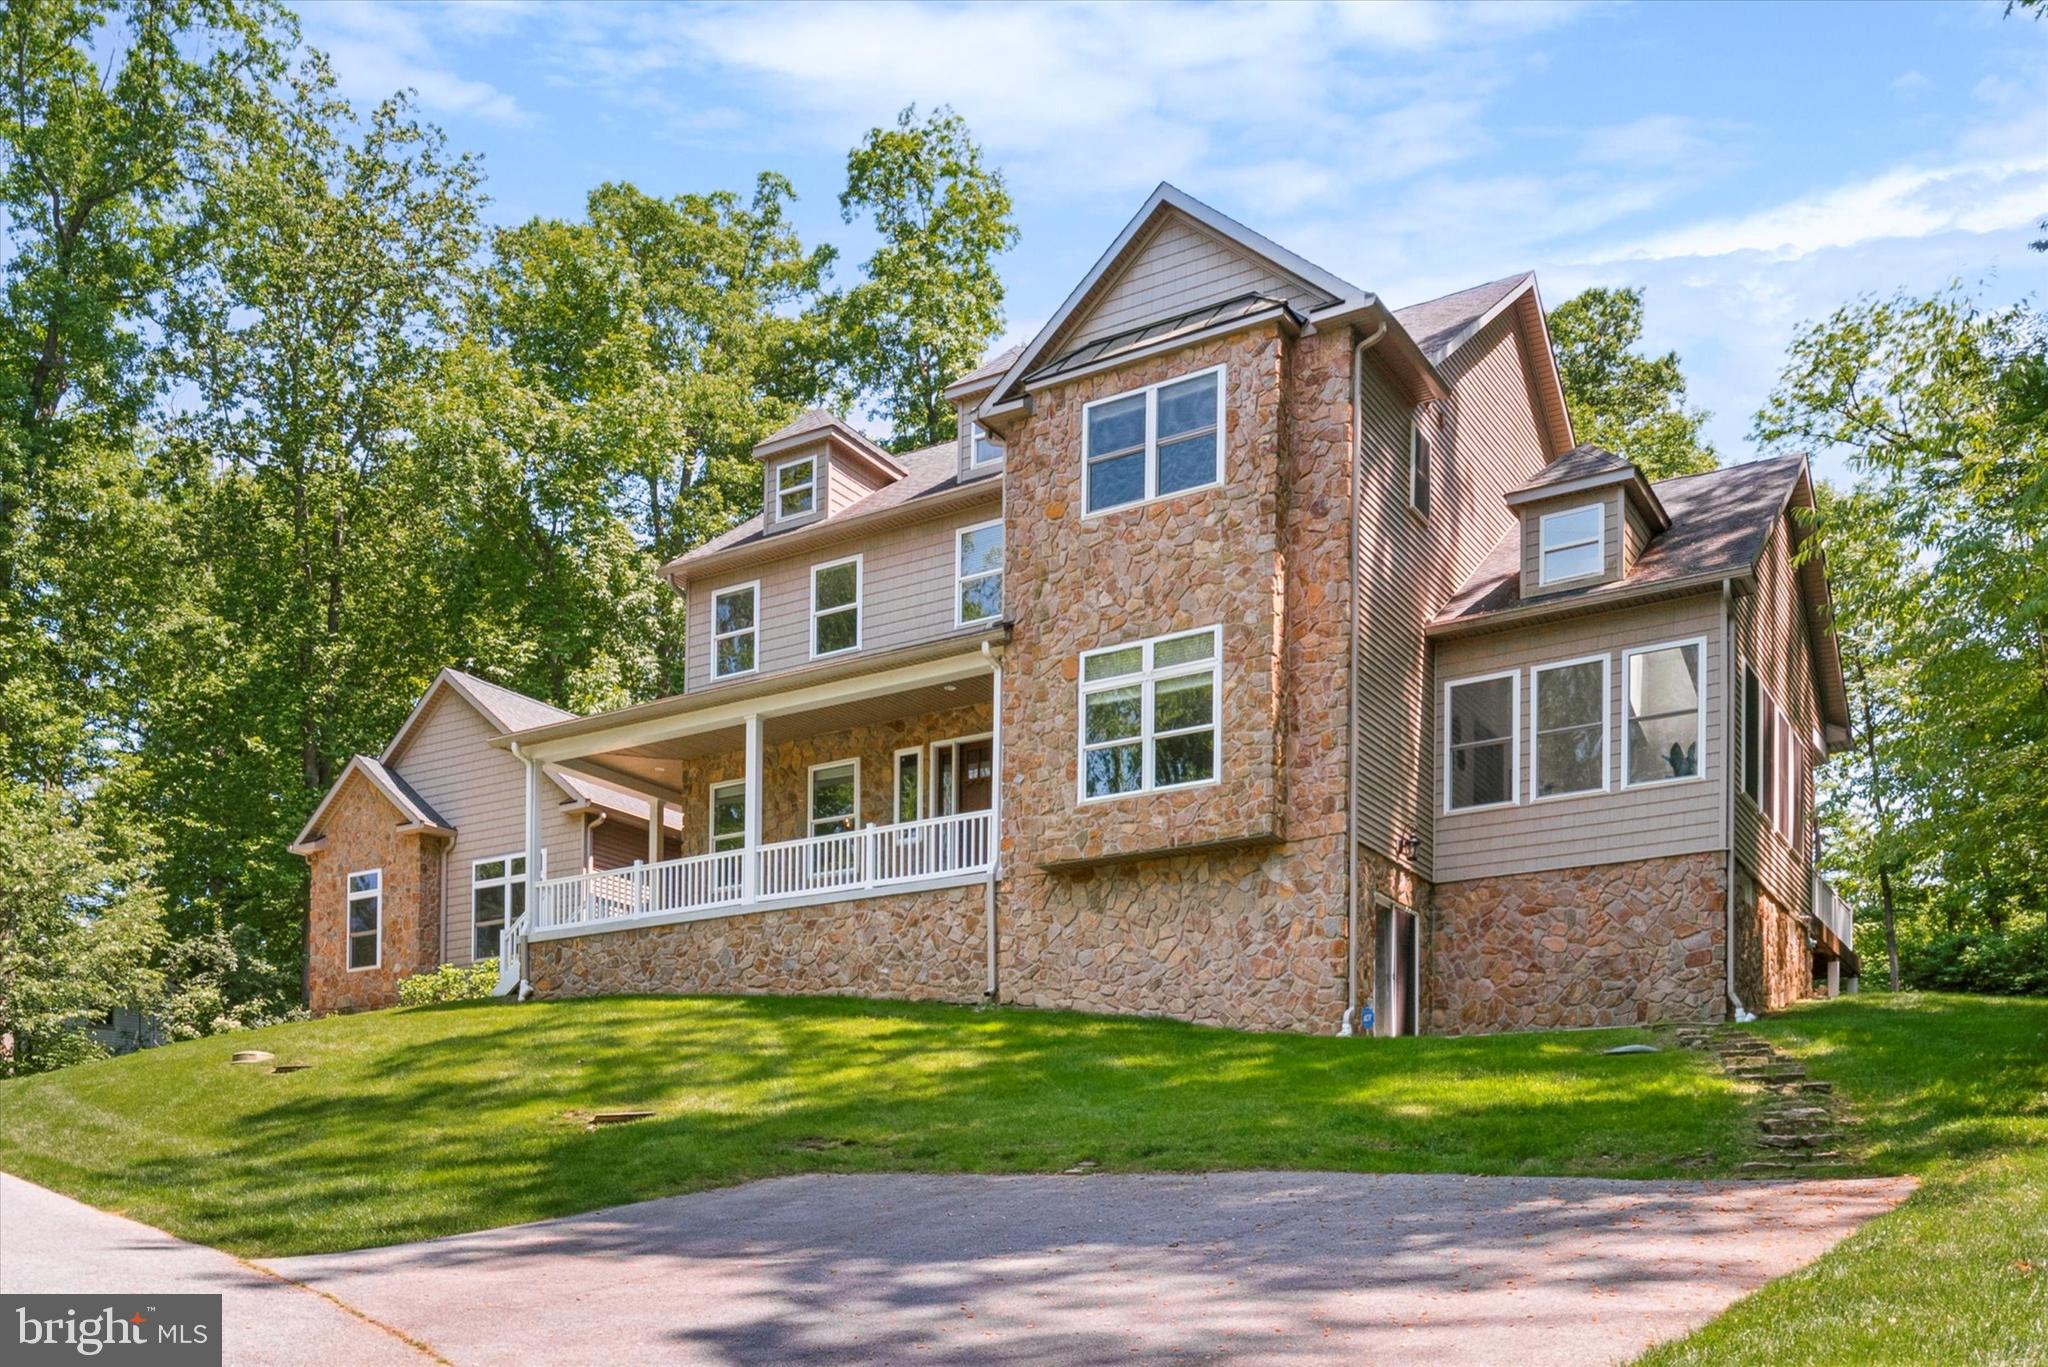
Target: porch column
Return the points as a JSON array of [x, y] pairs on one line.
[[533, 849], [750, 866], [657, 814]]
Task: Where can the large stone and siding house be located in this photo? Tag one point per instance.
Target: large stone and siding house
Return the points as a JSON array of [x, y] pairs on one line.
[[1256, 654]]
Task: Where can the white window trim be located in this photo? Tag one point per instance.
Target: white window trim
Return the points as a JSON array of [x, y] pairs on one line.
[[711, 814], [348, 934], [916, 752], [1145, 678], [776, 491], [1415, 438], [1763, 799], [1514, 797], [976, 436], [859, 612], [753, 587], [961, 579], [1536, 673], [811, 794], [1627, 743], [1151, 393], [508, 880], [1543, 547]]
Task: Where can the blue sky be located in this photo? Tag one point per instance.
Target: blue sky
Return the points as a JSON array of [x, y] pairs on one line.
[[1752, 166]]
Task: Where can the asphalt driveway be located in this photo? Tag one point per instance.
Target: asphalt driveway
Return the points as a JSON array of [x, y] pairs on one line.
[[1295, 1267]]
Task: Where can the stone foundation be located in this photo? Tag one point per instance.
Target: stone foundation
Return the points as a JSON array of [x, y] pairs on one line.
[[1773, 965], [1636, 943], [918, 946]]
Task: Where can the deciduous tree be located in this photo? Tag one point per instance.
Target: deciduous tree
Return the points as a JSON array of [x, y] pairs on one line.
[[1631, 404]]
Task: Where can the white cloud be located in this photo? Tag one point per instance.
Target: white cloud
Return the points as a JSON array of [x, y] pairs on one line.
[[1909, 83], [378, 49]]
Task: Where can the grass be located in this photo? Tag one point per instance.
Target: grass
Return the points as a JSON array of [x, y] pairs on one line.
[[1952, 1089], [429, 1121]]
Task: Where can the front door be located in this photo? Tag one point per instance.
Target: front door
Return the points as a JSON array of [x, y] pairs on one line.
[[963, 776]]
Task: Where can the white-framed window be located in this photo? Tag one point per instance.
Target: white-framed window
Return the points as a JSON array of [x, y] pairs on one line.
[[909, 784], [1571, 544], [1664, 713], [835, 606], [1418, 467], [734, 630], [497, 897], [1771, 773], [984, 447], [728, 823], [365, 919], [1482, 741], [1149, 715], [834, 797], [1164, 439], [1568, 706], [978, 573], [796, 488]]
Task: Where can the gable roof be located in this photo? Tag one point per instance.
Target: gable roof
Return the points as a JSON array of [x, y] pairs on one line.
[[413, 812], [987, 373], [816, 424], [1584, 469], [1439, 325], [1442, 326]]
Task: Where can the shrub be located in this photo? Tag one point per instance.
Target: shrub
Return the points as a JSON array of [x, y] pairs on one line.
[[448, 983], [2012, 962]]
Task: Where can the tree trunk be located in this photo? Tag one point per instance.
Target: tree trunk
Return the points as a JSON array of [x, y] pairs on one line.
[[1891, 925]]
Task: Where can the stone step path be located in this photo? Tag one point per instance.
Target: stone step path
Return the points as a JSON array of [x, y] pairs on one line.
[[1799, 1126]]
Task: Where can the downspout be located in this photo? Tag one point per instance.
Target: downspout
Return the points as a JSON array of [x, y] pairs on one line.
[[995, 806], [1346, 1026], [1729, 724], [590, 841]]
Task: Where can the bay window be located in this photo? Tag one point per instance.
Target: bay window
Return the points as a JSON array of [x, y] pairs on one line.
[[1149, 714]]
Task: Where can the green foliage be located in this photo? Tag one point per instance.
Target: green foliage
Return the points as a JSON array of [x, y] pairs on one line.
[[2009, 962], [1630, 404], [932, 301], [450, 983], [79, 930], [216, 980]]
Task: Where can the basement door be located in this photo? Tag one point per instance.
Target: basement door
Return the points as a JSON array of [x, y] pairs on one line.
[[1397, 975]]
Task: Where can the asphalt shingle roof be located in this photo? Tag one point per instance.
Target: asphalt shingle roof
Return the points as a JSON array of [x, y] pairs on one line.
[[1436, 324]]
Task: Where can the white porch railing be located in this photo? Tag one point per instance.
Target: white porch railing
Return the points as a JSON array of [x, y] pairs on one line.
[[788, 872], [1831, 911]]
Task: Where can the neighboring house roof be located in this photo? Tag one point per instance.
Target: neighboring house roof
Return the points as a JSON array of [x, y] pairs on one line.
[[1439, 325], [413, 812]]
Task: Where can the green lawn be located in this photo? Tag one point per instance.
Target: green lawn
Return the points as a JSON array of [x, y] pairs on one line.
[[422, 1122]]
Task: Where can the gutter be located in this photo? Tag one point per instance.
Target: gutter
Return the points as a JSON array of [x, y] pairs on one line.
[[1346, 1026], [1742, 1013]]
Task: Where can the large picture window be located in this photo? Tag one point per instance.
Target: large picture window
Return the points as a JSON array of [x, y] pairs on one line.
[[796, 488], [835, 607], [734, 630], [497, 897], [1149, 714], [978, 574], [1164, 439], [1665, 719], [1482, 731], [1572, 544], [1569, 704], [365, 918]]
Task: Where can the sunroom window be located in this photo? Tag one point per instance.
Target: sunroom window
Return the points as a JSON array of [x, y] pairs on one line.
[[1480, 734], [1572, 544], [1666, 713], [1570, 705], [1160, 440], [1149, 714]]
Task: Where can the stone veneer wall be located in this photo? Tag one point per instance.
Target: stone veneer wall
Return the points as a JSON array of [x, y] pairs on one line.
[[922, 946], [1634, 943], [1380, 877], [1773, 965], [362, 833]]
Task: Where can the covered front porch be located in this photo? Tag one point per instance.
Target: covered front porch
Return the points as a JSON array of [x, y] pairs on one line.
[[885, 781]]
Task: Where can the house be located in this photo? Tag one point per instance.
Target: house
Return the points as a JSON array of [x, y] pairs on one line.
[[1255, 654]]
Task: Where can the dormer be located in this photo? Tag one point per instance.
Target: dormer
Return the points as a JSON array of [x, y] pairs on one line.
[[815, 467], [1585, 520], [981, 450]]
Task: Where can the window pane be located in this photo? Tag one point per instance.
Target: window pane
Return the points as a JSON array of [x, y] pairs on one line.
[[1116, 426], [490, 868], [1663, 747], [519, 866], [1664, 681], [1571, 563], [981, 550], [982, 598], [834, 587], [1117, 769], [732, 612], [797, 472], [735, 654], [908, 774], [1112, 663], [362, 914], [1569, 696], [837, 631], [832, 793], [365, 882], [488, 904], [1181, 703], [1418, 472], [1578, 524], [794, 505], [1482, 711], [1185, 464], [1751, 719], [1113, 483], [1189, 758], [484, 941], [986, 448], [362, 951], [1569, 761], [1181, 650], [1187, 406], [1113, 714], [1479, 774]]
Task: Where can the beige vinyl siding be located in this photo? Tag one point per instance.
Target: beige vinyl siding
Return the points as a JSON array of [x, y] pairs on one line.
[[846, 485], [906, 596], [1408, 567], [1181, 267], [1683, 817], [1771, 635], [1636, 534], [616, 844], [1611, 502], [481, 791]]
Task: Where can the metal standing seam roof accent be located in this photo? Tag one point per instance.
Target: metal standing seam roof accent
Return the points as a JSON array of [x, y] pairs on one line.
[[1158, 330]]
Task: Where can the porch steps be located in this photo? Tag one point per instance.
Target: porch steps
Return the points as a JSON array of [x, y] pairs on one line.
[[1800, 1125]]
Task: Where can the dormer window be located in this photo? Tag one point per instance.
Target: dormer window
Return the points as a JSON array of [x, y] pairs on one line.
[[796, 488], [987, 448], [1572, 544]]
